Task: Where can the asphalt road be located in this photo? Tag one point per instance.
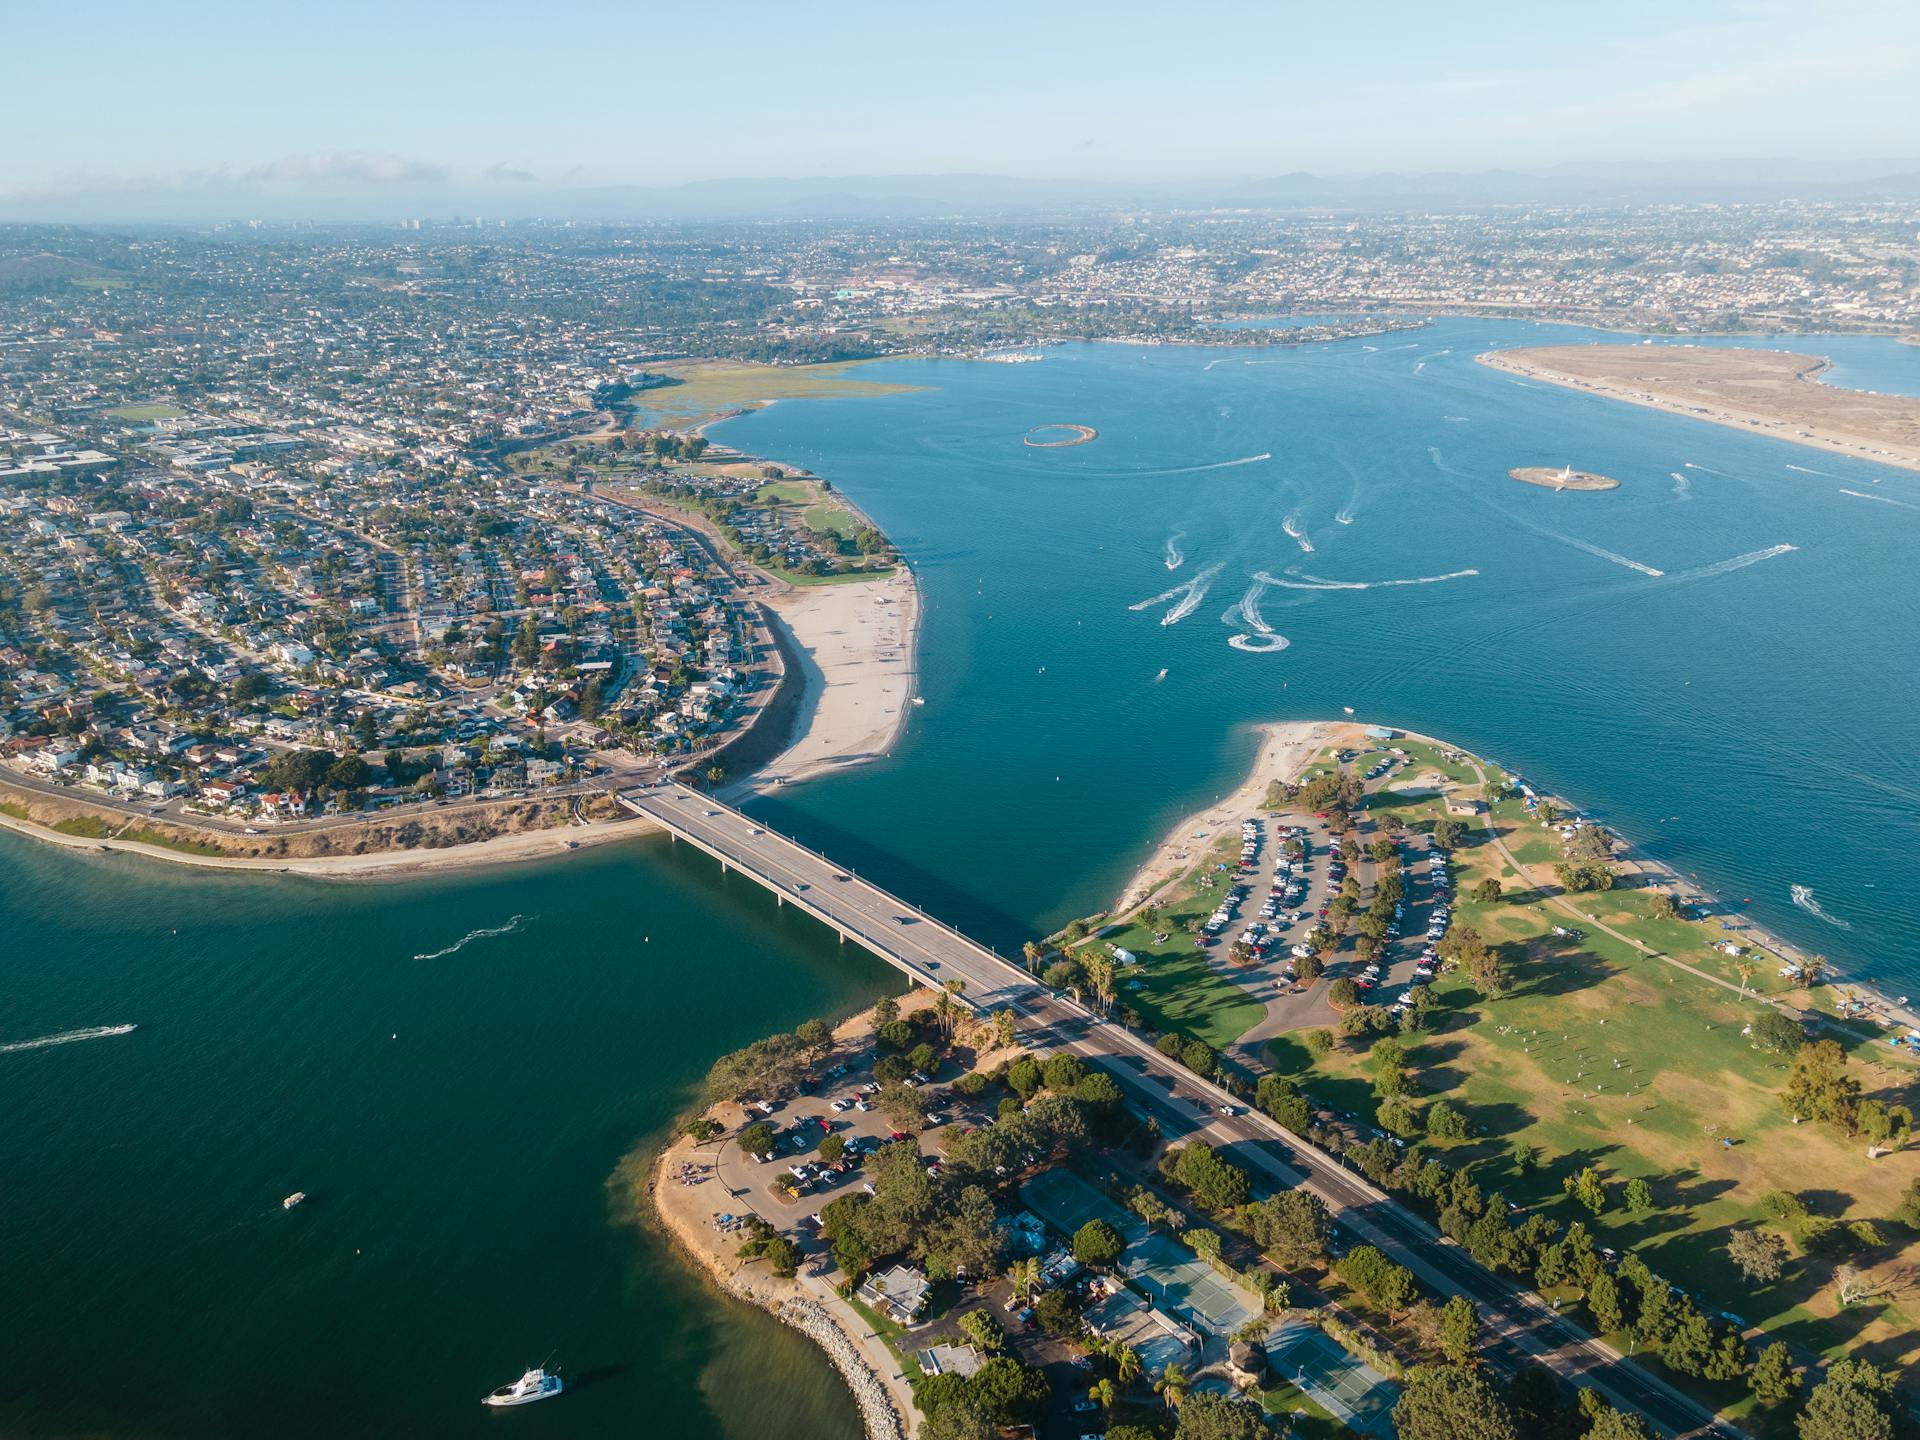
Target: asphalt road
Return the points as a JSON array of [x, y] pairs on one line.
[[1518, 1326]]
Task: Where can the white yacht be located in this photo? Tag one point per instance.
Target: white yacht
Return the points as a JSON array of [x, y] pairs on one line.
[[532, 1386], [293, 1199]]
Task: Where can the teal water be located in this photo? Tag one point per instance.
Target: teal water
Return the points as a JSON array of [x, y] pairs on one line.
[[1745, 716], [1746, 722], [455, 1122]]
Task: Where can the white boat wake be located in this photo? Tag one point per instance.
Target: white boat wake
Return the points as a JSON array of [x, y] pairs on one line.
[[1210, 364], [1803, 897], [1689, 465], [473, 935], [1187, 597], [1345, 517], [1883, 499], [1176, 557], [1216, 465], [1599, 553], [1418, 366], [1455, 419], [1315, 582], [1824, 475], [1738, 562], [68, 1037], [1293, 527], [1682, 486]]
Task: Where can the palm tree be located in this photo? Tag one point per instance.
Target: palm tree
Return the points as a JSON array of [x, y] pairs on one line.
[[1102, 1393], [1746, 970], [1024, 1276], [1813, 970], [1172, 1385], [1126, 1362], [1033, 954]]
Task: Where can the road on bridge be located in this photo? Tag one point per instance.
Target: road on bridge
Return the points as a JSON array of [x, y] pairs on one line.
[[1520, 1328]]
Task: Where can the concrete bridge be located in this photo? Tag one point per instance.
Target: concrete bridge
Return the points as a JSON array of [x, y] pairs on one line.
[[1518, 1326]]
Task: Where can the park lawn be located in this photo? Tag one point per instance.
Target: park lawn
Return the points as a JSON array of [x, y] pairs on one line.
[[836, 577], [1180, 990], [708, 390], [156, 411], [1600, 1054], [787, 492], [828, 518]]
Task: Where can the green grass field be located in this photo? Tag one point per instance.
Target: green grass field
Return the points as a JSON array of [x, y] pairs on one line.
[[1602, 1055], [709, 390], [158, 410]]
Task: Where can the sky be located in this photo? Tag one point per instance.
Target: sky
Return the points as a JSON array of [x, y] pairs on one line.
[[119, 104]]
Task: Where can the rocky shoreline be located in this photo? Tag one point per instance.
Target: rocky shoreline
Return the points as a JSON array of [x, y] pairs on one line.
[[876, 1408]]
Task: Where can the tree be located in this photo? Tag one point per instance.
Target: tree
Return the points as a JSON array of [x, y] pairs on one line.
[[1293, 1226], [1759, 1254], [1459, 1329], [1639, 1197], [1172, 1386], [1487, 891], [1774, 1379], [1854, 1402], [757, 1138], [1612, 1424], [1399, 1117], [1445, 1123], [1465, 947], [1778, 1033], [1582, 875], [1603, 1303], [1818, 1087], [1103, 1393], [1008, 1389], [832, 1148], [1056, 1313], [1098, 1244], [1198, 1057], [1342, 994], [1586, 1187], [1024, 1077], [1447, 834], [1063, 1072], [1883, 1126], [1451, 1402], [1217, 1417], [980, 1327], [816, 1035], [1907, 1212], [783, 1255], [902, 1104], [1216, 1183], [885, 1010], [1387, 1286], [1319, 1043]]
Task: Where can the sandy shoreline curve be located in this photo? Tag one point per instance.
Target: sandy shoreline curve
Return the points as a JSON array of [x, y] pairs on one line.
[[1286, 746], [1775, 393]]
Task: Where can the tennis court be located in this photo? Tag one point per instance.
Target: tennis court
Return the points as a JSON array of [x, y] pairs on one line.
[[1354, 1392], [1185, 1286], [1066, 1202]]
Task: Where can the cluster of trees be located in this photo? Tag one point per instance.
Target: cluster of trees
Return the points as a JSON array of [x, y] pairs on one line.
[[1585, 866], [1214, 1182], [1338, 792], [1819, 1088], [315, 771], [1003, 1391], [1388, 1287], [1465, 947], [947, 1226], [1196, 1055]]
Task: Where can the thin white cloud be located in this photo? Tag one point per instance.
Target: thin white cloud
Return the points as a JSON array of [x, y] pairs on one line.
[[353, 166]]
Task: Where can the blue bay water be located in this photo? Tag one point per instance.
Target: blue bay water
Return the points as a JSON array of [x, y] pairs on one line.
[[1744, 716], [1746, 719]]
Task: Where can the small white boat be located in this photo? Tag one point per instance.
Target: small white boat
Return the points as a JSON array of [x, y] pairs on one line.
[[293, 1199], [918, 700], [532, 1386]]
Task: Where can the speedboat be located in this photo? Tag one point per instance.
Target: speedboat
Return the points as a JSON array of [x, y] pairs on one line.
[[532, 1386], [293, 1199]]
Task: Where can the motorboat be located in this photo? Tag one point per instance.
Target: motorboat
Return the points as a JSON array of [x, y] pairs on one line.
[[532, 1386], [294, 1199]]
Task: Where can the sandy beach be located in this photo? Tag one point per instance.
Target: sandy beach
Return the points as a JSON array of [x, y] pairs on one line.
[[1285, 748], [856, 643], [378, 865], [1771, 392]]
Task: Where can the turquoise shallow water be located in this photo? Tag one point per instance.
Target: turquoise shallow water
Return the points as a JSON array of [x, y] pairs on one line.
[[1748, 723]]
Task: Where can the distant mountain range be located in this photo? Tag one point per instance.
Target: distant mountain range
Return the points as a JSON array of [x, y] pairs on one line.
[[920, 197]]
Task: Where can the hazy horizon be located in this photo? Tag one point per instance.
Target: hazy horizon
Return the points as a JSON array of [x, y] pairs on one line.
[[373, 113]]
